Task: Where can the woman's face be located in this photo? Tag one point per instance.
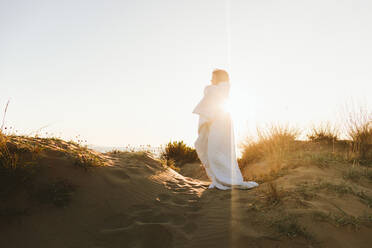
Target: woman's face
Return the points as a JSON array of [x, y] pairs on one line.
[[214, 79]]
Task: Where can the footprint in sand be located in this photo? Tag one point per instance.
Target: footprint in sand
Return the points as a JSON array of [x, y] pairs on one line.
[[184, 189], [171, 183], [198, 186], [177, 187], [176, 200], [192, 182], [148, 168], [181, 182]]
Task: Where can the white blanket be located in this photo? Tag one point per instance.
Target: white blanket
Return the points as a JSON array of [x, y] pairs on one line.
[[215, 144]]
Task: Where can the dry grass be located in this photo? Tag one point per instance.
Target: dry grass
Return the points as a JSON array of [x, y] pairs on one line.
[[358, 128], [289, 226], [277, 140], [341, 219], [8, 160], [272, 194], [341, 188], [23, 164], [115, 152], [324, 132], [364, 198], [20, 158], [356, 173], [15, 171], [4, 115], [322, 159], [273, 144], [277, 148], [305, 191]]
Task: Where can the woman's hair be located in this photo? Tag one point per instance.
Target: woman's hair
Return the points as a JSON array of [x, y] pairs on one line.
[[221, 75]]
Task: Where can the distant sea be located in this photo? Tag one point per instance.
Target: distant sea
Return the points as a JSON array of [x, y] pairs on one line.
[[155, 150]]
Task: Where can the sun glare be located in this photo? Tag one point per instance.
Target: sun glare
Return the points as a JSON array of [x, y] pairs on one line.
[[236, 108], [236, 111], [242, 110], [227, 106]]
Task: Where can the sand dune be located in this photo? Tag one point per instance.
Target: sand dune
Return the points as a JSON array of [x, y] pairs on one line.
[[134, 201]]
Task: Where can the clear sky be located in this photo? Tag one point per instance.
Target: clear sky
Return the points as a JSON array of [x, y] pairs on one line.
[[131, 72]]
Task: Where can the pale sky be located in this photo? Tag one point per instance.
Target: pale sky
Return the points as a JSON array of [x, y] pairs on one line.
[[131, 72]]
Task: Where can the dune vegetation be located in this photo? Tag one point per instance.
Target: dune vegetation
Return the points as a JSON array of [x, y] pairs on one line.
[[314, 192]]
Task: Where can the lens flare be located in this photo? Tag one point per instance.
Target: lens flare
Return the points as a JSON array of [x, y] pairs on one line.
[[226, 106]]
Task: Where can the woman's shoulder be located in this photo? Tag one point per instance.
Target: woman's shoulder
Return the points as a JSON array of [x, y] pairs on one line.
[[224, 84], [217, 88], [209, 88]]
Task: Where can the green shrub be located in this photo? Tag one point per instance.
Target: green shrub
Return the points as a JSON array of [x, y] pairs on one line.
[[179, 152], [85, 159]]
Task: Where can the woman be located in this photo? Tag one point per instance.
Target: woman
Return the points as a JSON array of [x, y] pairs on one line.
[[215, 144]]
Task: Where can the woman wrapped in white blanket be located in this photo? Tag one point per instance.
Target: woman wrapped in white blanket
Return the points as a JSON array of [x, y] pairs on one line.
[[215, 144]]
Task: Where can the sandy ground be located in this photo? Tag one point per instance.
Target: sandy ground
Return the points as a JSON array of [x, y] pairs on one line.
[[136, 202]]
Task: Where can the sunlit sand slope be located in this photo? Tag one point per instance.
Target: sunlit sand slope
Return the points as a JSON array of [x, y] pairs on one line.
[[134, 201]]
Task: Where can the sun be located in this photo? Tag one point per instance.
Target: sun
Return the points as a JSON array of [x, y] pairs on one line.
[[226, 106], [235, 109], [241, 107]]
